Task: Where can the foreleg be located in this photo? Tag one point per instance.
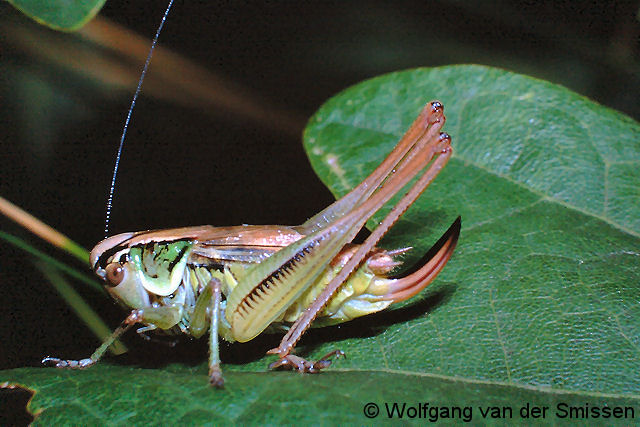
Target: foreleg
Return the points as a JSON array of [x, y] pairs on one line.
[[163, 317]]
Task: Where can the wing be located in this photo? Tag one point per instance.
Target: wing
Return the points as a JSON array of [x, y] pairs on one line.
[[258, 235], [245, 243]]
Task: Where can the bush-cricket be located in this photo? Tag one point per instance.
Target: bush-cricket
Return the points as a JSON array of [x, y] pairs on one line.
[[236, 282]]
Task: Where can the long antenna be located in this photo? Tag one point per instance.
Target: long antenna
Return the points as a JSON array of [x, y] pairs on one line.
[[126, 122]]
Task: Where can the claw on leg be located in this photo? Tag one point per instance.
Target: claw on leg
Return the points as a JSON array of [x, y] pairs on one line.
[[70, 364], [291, 361], [215, 376]]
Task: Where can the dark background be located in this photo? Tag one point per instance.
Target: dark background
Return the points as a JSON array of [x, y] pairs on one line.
[[191, 161]]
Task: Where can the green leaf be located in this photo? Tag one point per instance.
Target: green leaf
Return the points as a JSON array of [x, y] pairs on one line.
[[65, 15], [178, 395], [538, 305], [545, 286]]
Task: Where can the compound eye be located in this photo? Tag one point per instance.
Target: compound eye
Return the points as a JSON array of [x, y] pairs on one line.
[[114, 273]]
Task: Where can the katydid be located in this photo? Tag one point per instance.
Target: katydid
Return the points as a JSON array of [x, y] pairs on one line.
[[238, 282]]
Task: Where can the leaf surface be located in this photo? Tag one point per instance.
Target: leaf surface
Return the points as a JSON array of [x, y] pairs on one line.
[[538, 305], [66, 15], [545, 285], [177, 396]]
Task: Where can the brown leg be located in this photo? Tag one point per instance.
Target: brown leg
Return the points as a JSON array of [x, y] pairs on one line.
[[291, 361], [429, 121], [427, 149]]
